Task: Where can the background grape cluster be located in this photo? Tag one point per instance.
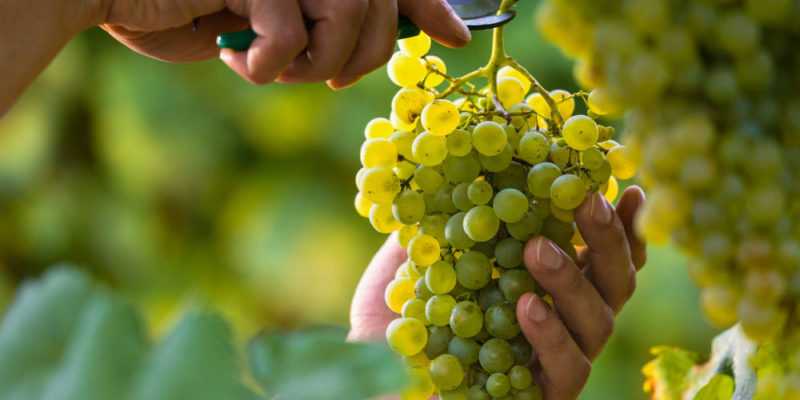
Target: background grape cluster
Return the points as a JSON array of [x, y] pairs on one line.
[[714, 119], [466, 183]]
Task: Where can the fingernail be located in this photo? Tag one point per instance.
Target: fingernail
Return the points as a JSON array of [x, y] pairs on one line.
[[547, 255], [600, 209], [462, 32], [536, 310]]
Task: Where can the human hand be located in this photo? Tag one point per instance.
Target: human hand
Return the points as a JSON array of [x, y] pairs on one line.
[[587, 294], [346, 39]]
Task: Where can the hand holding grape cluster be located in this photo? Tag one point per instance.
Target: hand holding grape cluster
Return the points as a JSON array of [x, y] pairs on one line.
[[477, 190]]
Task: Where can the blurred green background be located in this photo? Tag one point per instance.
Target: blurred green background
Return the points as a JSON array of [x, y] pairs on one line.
[[182, 184]]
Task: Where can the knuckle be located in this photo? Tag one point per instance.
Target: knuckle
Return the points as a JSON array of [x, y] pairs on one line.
[[573, 280], [291, 40], [349, 10]]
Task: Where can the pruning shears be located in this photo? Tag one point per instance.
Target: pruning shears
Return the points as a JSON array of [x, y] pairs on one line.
[[477, 15]]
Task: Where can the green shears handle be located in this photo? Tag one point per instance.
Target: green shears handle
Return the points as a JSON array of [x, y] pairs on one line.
[[241, 40]]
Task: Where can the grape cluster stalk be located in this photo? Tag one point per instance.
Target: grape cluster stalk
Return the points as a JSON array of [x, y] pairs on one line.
[[466, 176], [711, 92]]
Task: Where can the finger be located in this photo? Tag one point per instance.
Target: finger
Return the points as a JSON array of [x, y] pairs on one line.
[[627, 207], [369, 314], [375, 44], [437, 19], [564, 368], [585, 314], [182, 44], [609, 252], [333, 37], [281, 38]]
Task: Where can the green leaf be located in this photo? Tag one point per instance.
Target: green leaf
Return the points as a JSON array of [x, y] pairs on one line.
[[720, 387], [318, 365], [65, 338]]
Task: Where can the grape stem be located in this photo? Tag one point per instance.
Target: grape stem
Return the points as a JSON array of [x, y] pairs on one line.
[[500, 59]]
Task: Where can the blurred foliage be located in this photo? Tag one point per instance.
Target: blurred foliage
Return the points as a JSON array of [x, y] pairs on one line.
[[182, 184]]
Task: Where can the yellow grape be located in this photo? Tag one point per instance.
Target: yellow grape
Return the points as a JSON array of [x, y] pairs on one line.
[[405, 71], [398, 292], [429, 150], [613, 190], [600, 102], [382, 219], [489, 138], [406, 336], [363, 205], [580, 132], [408, 104], [417, 360], [510, 72], [565, 103], [421, 386], [400, 125], [415, 46], [510, 91], [435, 79], [378, 128], [405, 234], [378, 153], [622, 165], [404, 170], [440, 118], [380, 185], [360, 177], [424, 250], [565, 216]]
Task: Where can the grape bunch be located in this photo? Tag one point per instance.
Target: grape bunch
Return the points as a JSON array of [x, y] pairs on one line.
[[466, 183], [712, 89]]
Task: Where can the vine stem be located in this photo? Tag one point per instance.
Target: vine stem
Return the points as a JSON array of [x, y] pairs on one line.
[[500, 59]]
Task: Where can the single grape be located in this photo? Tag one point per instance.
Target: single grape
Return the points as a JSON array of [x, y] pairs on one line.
[[405, 71], [423, 250], [438, 309], [420, 387], [443, 199], [567, 192], [446, 372], [532, 392], [473, 270], [481, 223], [496, 355], [404, 170], [489, 138], [459, 143], [382, 218], [520, 122], [398, 292], [622, 164], [480, 192], [466, 319], [435, 79], [499, 162], [477, 392], [580, 132], [508, 253], [380, 185], [461, 197], [440, 118], [513, 177], [407, 105], [541, 178], [405, 234], [438, 340], [592, 158], [533, 147], [501, 320], [415, 46], [419, 360], [428, 179], [510, 91], [498, 385], [429, 150], [440, 277], [564, 101], [522, 350], [406, 336], [510, 72], [455, 234], [466, 350], [415, 308], [408, 207], [378, 128], [421, 289], [434, 225], [462, 169], [490, 295], [403, 140], [510, 205], [363, 205], [529, 226], [459, 393]]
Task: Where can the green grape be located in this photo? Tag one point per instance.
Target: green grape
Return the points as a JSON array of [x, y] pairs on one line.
[[498, 385], [510, 91], [378, 153], [380, 185], [446, 372], [429, 150], [415, 308], [481, 223], [428, 179], [592, 158], [415, 46], [510, 205], [435, 79], [737, 33], [434, 225], [522, 350], [513, 177], [440, 117], [438, 309], [444, 199], [378, 128], [557, 231], [408, 207], [461, 197], [405, 234], [398, 292], [440, 277], [466, 350], [473, 270], [477, 392], [466, 319], [459, 393], [516, 282], [455, 234], [532, 392], [462, 169], [533, 147], [382, 218], [499, 162], [407, 104], [459, 143], [404, 170], [501, 320], [489, 138], [567, 192], [405, 71], [510, 72], [406, 336], [602, 173], [512, 134], [560, 155], [363, 206], [480, 192], [438, 340], [403, 141], [541, 178], [421, 289], [423, 250], [496, 355], [508, 253], [478, 376], [520, 122], [490, 295]]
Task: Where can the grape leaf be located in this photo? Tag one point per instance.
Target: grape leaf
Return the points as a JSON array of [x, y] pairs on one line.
[[66, 338]]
